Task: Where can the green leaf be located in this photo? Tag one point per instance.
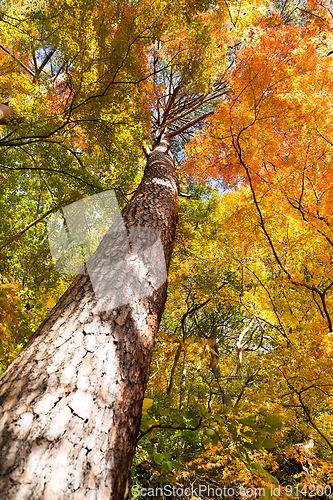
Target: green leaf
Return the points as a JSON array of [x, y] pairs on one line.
[[204, 413], [213, 436], [162, 479], [232, 430], [190, 414], [267, 492], [233, 422], [268, 443], [271, 430], [274, 421], [144, 423], [249, 446], [158, 458], [247, 421], [256, 467], [167, 466], [219, 419], [263, 430], [272, 478]]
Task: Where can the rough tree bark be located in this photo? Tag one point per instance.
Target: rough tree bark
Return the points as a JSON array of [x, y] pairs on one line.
[[5, 114], [71, 401]]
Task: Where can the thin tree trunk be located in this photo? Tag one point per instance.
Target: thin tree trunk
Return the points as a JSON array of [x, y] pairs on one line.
[[217, 373], [182, 383], [71, 401], [240, 345], [173, 371]]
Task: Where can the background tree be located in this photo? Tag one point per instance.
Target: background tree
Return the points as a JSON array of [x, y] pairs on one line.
[[229, 447], [74, 108]]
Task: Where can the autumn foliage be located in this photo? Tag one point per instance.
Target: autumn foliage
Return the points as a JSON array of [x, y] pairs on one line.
[[240, 389]]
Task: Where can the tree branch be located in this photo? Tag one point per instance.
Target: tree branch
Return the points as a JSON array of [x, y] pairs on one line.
[[47, 169], [306, 411], [42, 66], [189, 124], [28, 70], [33, 223], [168, 427]]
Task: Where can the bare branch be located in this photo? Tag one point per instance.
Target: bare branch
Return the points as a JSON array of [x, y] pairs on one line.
[[189, 124], [42, 66], [174, 428]]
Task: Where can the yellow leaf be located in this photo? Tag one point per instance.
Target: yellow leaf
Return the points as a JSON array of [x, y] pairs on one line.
[[211, 341], [146, 405]]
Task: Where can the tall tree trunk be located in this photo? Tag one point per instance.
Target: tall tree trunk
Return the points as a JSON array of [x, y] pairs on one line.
[[173, 371], [71, 401]]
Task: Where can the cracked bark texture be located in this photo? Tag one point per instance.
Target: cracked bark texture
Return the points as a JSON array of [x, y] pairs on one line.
[[70, 403]]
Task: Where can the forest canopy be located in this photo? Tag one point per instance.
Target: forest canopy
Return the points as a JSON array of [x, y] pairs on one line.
[[240, 389]]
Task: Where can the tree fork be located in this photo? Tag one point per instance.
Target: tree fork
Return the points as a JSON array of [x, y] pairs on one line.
[[71, 401]]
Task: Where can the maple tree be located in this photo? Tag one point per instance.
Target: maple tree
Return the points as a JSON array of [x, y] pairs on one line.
[[240, 322], [255, 385], [269, 141]]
